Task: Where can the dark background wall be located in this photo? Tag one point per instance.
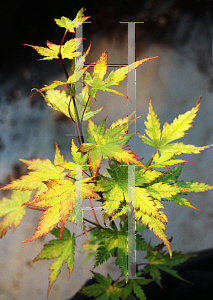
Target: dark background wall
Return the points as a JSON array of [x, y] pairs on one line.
[[32, 22]]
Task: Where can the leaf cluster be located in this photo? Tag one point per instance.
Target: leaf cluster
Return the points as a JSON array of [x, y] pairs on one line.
[[57, 188]]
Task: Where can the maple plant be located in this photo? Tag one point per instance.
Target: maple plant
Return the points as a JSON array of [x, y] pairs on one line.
[[56, 187]]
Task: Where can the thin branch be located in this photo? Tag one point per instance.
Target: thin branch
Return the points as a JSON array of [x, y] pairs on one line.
[[93, 211], [152, 159], [76, 111], [118, 278], [40, 209], [63, 65], [87, 231], [71, 98], [62, 40], [78, 122], [84, 109], [98, 225]]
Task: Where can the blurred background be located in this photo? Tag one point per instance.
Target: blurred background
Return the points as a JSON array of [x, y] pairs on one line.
[[181, 33]]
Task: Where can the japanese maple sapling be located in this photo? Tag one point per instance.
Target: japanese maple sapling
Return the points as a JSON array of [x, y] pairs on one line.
[[57, 188]]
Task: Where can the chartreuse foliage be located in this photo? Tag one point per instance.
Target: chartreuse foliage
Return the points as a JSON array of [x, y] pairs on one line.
[[56, 185]]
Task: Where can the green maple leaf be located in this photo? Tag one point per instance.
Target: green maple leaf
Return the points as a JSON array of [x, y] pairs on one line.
[[171, 132], [172, 176], [78, 161], [161, 261], [41, 170], [77, 74], [60, 101], [141, 244], [96, 240], [63, 250], [108, 144], [148, 205], [161, 190], [144, 177], [104, 290], [91, 245], [71, 25], [12, 210], [172, 179], [134, 286], [113, 243], [115, 188], [166, 159], [187, 187], [156, 223], [147, 198], [68, 50], [77, 155], [190, 186], [197, 186], [114, 78]]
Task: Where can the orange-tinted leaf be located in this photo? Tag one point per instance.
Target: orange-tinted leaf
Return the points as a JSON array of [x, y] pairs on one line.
[[113, 79], [43, 169], [59, 200], [60, 197], [100, 68], [120, 74], [108, 145], [157, 226]]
